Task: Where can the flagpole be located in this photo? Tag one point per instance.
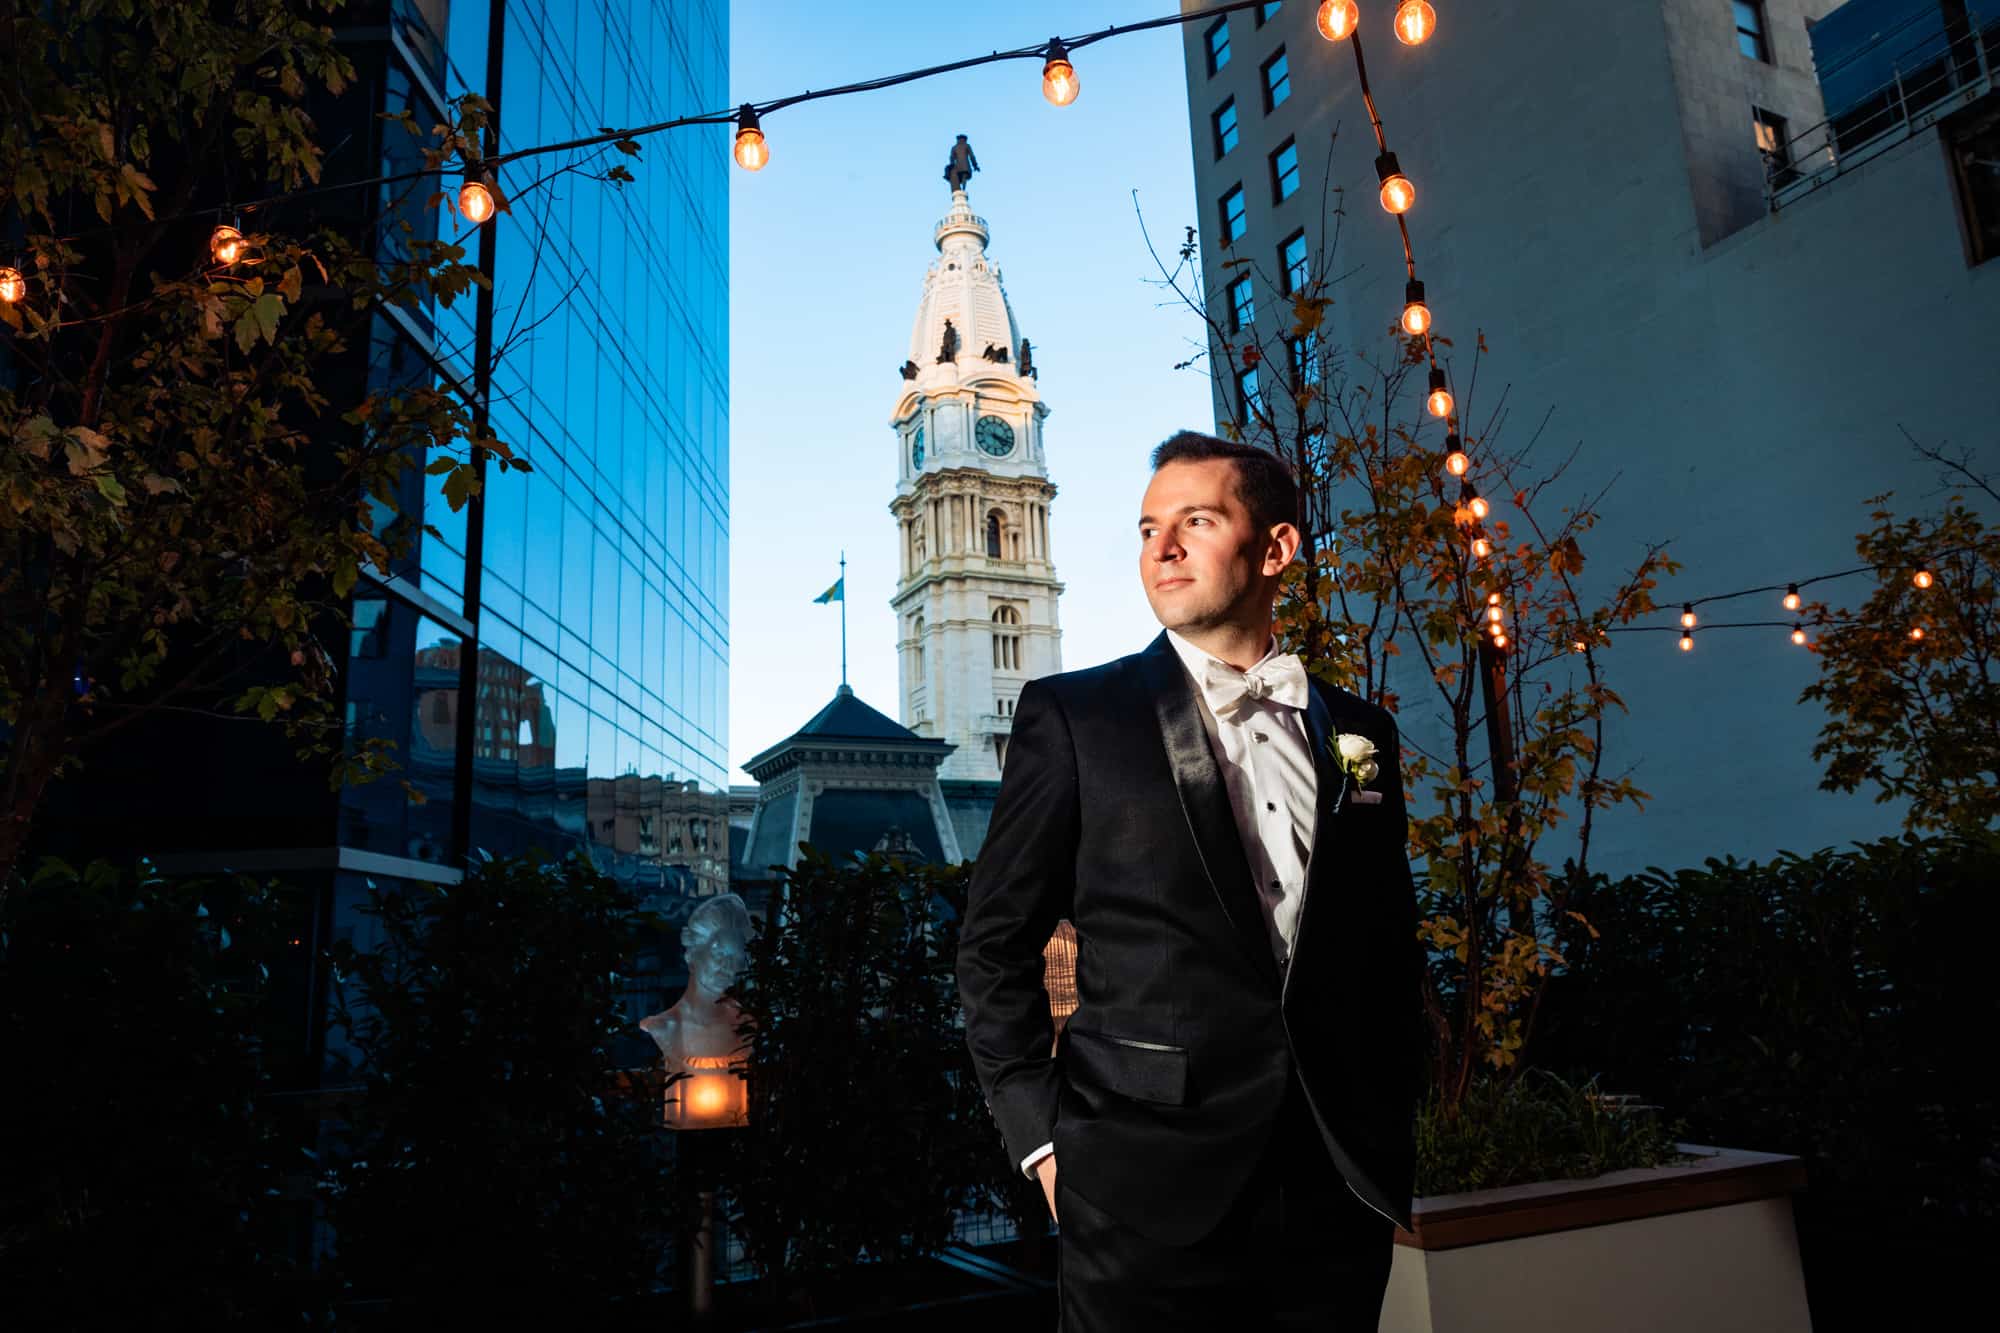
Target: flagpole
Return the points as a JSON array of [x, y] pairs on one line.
[[843, 617]]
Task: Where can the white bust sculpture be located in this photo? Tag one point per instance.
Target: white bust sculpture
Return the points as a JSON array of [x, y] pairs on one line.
[[702, 1025]]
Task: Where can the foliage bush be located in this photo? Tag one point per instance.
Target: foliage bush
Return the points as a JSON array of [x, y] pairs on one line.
[[1838, 1006], [867, 1132], [144, 1156], [501, 1156], [1539, 1126]]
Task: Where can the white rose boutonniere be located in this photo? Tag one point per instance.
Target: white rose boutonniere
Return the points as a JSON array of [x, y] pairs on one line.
[[1356, 754]]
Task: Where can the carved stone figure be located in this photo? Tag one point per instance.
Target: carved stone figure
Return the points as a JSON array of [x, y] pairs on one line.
[[703, 1023], [995, 352], [949, 350], [909, 370], [1028, 359], [961, 166]]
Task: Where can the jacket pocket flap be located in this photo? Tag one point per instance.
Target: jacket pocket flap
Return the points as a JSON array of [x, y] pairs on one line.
[[1142, 1070]]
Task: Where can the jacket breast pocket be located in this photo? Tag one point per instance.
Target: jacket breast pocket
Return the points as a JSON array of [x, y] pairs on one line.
[[1145, 1071]]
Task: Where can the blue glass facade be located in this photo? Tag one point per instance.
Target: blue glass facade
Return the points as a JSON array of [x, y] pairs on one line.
[[600, 615]]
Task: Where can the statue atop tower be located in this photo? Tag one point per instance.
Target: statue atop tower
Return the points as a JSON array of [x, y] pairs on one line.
[[958, 171]]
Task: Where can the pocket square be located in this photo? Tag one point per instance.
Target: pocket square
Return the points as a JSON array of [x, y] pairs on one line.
[[1366, 798]]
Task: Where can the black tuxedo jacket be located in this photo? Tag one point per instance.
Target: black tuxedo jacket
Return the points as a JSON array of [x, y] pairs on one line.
[[1169, 1077]]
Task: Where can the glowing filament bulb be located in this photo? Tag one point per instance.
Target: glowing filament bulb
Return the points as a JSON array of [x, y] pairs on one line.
[[1455, 461], [1687, 643], [1338, 19], [1687, 615], [1923, 578], [1415, 22], [1479, 506], [1798, 634], [1576, 646], [751, 150], [12, 285], [226, 244], [1059, 82], [1791, 597], [1439, 400], [1416, 315], [1481, 547], [1397, 192], [1916, 632], [1499, 641], [1494, 613], [475, 200], [1493, 599]]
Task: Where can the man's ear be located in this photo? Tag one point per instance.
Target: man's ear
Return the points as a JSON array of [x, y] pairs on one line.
[[1283, 547]]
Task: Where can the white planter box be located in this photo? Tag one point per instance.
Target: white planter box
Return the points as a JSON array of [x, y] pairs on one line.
[[1704, 1247]]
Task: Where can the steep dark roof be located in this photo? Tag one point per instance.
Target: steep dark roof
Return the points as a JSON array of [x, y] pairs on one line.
[[847, 718]]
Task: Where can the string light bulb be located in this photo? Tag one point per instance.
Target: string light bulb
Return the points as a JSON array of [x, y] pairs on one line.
[[751, 150], [226, 244], [12, 285], [1397, 192], [479, 197], [1455, 461], [1687, 643], [1798, 634], [1499, 641], [1476, 503], [1791, 597], [1416, 315], [1495, 614], [1415, 22], [1059, 83], [1916, 633], [1923, 578], [1577, 645], [1687, 615], [1481, 548], [1338, 19], [1439, 400]]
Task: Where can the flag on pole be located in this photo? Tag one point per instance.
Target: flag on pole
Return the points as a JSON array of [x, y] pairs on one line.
[[834, 594]]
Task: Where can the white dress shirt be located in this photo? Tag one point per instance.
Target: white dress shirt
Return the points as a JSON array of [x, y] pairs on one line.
[[1265, 753]]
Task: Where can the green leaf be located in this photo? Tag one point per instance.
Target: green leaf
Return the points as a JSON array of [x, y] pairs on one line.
[[109, 487]]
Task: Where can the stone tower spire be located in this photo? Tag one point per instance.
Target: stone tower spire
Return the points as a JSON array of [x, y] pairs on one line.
[[976, 596]]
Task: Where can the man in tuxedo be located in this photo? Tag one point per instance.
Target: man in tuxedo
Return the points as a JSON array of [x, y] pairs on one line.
[[1224, 1127]]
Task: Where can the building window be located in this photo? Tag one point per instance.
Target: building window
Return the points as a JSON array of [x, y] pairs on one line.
[[1242, 305], [993, 535], [1773, 145], [1225, 128], [1285, 172], [1265, 13], [1233, 224], [1277, 81], [1006, 641], [1305, 360], [1218, 44], [1750, 30], [1249, 398], [1975, 153], [1292, 267]]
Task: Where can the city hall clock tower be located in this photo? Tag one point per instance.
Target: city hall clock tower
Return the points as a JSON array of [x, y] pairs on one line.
[[976, 593]]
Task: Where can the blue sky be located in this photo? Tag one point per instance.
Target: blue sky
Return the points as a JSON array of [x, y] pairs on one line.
[[828, 247]]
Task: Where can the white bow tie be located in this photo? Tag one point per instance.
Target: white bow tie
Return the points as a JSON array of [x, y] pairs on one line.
[[1281, 679]]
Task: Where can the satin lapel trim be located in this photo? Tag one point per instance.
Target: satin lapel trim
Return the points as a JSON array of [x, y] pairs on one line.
[[1205, 799]]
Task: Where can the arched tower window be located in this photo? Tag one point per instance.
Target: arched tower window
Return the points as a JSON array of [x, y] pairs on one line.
[[1006, 639], [993, 534], [917, 632]]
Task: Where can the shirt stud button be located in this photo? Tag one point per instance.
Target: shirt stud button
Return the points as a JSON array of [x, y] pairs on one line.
[[1270, 805], [1260, 735]]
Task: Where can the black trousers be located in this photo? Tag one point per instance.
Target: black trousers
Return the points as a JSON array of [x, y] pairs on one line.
[[1297, 1250]]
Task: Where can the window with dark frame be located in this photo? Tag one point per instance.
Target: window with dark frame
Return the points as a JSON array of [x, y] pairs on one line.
[[1217, 40], [1265, 13], [1225, 128], [1774, 146], [1975, 157], [1305, 360], [1233, 222], [1292, 264], [1750, 38], [1249, 398], [1277, 81], [1242, 305], [1285, 171]]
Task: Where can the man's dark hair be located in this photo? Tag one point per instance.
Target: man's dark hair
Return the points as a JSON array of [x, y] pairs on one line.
[[1264, 482]]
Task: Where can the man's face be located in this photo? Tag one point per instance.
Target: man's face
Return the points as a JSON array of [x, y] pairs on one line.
[[1201, 560]]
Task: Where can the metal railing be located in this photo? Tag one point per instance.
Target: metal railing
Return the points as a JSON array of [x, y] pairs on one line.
[[1932, 78]]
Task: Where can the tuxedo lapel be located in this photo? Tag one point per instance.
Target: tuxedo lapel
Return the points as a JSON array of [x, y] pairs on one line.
[[1204, 799]]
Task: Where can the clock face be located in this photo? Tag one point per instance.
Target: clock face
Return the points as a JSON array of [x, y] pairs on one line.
[[994, 436], [917, 450]]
